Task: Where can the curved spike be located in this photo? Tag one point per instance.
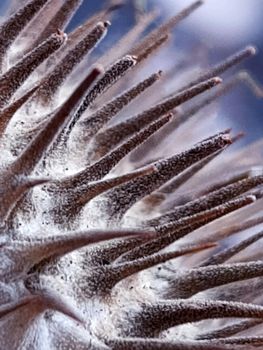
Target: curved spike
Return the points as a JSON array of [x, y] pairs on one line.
[[105, 140], [209, 201], [8, 112], [158, 344], [13, 186], [126, 269], [165, 28], [253, 85], [182, 178], [55, 247], [123, 197], [11, 29], [203, 216], [230, 330], [100, 16], [113, 250], [60, 19], [96, 188], [111, 76], [103, 278], [103, 186], [241, 77], [151, 49], [220, 133], [218, 211], [15, 76], [99, 118], [35, 255], [76, 35], [36, 149], [127, 40], [196, 280], [161, 197], [235, 178], [229, 231], [154, 318], [173, 234], [223, 66], [237, 291], [101, 168], [226, 254], [58, 75], [185, 115], [77, 200]]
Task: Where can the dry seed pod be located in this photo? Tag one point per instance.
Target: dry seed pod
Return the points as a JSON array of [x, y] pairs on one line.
[[81, 266]]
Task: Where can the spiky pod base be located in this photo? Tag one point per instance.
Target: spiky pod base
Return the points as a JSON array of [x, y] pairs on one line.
[[109, 240]]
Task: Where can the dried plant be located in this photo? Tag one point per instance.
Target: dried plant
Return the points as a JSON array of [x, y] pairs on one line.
[[109, 240]]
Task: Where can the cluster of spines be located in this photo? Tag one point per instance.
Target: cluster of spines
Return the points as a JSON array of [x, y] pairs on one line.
[[141, 248]]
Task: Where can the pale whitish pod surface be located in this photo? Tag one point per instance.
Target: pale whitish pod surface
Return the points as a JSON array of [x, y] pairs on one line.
[[97, 251]]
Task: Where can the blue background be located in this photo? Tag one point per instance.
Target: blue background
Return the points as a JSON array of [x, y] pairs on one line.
[[246, 110]]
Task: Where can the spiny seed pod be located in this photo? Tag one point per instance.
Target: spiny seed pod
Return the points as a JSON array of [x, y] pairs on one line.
[[115, 222]]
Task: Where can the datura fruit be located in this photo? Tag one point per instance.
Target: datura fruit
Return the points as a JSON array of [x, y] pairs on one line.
[[124, 225]]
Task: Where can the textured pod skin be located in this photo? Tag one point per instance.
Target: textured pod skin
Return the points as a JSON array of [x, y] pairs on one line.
[[110, 238]]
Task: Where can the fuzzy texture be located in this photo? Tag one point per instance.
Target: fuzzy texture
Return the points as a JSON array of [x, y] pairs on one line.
[[116, 217]]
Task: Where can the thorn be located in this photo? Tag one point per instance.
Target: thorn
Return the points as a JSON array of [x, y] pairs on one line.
[[110, 77], [11, 28], [102, 167], [116, 134], [16, 76], [128, 268], [123, 197], [99, 118], [223, 66], [160, 316], [38, 146], [169, 233], [212, 199], [53, 81], [227, 253], [198, 279], [230, 330], [60, 19], [164, 29]]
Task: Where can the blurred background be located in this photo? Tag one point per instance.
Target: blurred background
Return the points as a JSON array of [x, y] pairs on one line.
[[216, 30]]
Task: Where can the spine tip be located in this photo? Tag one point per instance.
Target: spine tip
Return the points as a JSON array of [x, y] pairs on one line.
[[252, 50]]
